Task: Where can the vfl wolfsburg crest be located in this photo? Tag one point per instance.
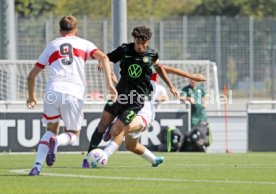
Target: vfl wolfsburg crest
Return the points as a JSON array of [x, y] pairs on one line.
[[145, 59], [134, 71]]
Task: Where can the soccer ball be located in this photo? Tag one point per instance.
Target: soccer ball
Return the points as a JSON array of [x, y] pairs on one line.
[[97, 158]]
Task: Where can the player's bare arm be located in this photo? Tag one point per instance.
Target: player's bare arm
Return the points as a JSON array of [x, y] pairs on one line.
[[113, 76], [195, 77], [162, 73], [31, 101], [99, 55], [205, 101], [188, 99]]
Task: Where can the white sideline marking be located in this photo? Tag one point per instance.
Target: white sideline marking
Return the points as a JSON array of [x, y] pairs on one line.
[[25, 171], [65, 153], [230, 164]]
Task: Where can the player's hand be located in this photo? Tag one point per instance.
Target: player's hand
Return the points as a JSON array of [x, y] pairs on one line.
[[31, 102], [192, 100], [174, 92], [100, 67], [182, 99], [112, 92], [198, 77]]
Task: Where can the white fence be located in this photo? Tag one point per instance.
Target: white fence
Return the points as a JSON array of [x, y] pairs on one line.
[[13, 78]]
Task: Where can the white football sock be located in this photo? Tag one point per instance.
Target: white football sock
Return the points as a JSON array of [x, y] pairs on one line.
[[65, 139], [111, 148], [43, 149], [149, 156]]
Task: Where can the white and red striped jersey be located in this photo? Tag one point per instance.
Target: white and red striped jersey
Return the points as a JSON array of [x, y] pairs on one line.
[[66, 57], [153, 81]]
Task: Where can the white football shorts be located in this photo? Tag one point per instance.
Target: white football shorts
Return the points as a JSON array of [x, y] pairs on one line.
[[146, 116], [63, 106]]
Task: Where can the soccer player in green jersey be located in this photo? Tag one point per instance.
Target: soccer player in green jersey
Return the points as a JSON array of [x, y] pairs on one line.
[[195, 94], [137, 62]]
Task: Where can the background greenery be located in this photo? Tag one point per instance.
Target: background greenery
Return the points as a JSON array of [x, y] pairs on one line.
[[156, 8]]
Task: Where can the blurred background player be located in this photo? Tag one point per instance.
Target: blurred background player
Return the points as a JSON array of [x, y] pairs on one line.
[[195, 94], [137, 63], [161, 94], [140, 123], [65, 88], [199, 138]]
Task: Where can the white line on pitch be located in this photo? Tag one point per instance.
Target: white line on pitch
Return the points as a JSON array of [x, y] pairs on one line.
[[230, 164], [25, 171]]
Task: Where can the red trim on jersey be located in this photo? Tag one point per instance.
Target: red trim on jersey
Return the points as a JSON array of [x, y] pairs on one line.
[[40, 65], [54, 56], [44, 142], [79, 53], [153, 77], [51, 118], [92, 53], [76, 52], [144, 121]]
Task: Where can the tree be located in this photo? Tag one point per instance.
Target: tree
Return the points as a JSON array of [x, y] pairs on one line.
[[94, 9], [160, 8], [141, 9], [236, 8], [34, 7], [259, 8]]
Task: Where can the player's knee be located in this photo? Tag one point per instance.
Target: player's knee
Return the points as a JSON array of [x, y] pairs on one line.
[[75, 133], [53, 128], [54, 131]]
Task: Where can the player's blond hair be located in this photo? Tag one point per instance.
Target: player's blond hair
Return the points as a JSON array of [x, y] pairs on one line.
[[68, 23]]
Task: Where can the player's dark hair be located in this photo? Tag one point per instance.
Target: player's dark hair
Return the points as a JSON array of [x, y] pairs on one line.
[[68, 23], [141, 32]]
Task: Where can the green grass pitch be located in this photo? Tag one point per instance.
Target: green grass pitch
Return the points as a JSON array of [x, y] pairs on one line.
[[182, 173]]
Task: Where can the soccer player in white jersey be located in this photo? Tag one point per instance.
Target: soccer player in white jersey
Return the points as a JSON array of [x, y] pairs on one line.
[[140, 123], [65, 88]]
